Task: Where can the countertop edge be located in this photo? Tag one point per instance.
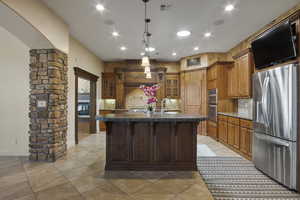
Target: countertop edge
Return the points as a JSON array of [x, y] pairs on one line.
[[236, 115]]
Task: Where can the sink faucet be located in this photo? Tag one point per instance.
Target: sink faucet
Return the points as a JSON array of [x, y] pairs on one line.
[[163, 105]]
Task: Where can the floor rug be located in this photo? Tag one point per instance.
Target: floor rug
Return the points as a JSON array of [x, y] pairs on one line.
[[235, 178]]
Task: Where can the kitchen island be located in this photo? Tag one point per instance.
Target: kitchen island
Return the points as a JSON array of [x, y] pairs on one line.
[[136, 141]]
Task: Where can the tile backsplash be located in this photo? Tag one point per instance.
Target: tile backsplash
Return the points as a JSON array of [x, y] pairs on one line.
[[245, 106]]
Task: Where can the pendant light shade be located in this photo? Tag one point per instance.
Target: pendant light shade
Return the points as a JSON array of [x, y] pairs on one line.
[[148, 75], [145, 61], [147, 70]]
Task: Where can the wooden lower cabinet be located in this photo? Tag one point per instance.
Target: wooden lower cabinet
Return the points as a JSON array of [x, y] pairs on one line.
[[236, 134], [246, 141], [222, 131], [212, 129]]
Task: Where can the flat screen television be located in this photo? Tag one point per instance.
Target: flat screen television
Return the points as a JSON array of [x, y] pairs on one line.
[[275, 46]]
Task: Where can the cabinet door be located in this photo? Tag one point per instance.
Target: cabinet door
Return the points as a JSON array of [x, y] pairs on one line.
[[212, 130], [108, 86], [233, 80], [246, 141], [236, 143], [244, 74], [230, 132], [172, 86], [222, 131]]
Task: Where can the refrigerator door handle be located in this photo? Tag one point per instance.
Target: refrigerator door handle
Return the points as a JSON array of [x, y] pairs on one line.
[[264, 102], [273, 140]]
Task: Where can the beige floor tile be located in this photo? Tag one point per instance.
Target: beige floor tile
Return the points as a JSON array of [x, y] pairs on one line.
[[16, 191], [153, 197], [87, 183], [130, 186], [196, 192], [45, 178], [99, 194], [12, 179], [154, 189], [59, 192]]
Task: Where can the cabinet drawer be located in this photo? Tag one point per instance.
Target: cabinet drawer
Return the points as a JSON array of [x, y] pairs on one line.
[[246, 123], [222, 118], [233, 120]]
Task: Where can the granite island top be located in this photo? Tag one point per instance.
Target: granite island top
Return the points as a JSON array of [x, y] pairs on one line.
[[237, 115], [156, 117]]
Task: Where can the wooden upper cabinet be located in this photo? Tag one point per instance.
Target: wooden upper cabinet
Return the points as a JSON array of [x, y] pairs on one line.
[[108, 86], [245, 70], [173, 86], [233, 80], [239, 76]]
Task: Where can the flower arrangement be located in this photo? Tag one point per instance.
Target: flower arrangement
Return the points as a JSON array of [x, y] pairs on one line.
[[150, 92]]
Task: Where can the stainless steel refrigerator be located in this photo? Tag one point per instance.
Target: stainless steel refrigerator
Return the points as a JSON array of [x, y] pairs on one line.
[[275, 117]]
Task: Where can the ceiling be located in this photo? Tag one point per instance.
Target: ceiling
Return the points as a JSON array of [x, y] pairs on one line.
[[94, 29]]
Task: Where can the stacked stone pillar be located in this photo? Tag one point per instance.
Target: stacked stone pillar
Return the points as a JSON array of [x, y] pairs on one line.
[[48, 104]]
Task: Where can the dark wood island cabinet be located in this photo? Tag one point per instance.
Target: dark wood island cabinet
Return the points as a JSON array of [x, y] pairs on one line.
[[156, 142]]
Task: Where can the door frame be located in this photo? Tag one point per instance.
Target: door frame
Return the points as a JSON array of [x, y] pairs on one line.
[[80, 73]]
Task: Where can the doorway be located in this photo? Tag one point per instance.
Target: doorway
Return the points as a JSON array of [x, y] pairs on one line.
[[85, 103]]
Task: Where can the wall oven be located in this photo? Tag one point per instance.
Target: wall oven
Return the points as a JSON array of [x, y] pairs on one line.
[[212, 105]]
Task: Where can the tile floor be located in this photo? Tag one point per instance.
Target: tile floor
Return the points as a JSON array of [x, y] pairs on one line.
[[81, 175]]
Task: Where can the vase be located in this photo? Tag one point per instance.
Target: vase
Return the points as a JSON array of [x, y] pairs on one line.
[[149, 113]]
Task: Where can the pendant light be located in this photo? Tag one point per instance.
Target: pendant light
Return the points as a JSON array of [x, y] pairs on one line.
[[146, 42], [145, 61], [147, 70], [148, 75]]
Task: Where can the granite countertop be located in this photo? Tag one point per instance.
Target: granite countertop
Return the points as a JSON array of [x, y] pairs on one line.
[[237, 115], [157, 117]]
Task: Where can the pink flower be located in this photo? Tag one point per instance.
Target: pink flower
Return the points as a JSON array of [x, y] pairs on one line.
[[152, 100]]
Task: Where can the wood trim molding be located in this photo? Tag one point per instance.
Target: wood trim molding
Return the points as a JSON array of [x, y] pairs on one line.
[[139, 69], [193, 70], [221, 63], [93, 94], [85, 74], [241, 53]]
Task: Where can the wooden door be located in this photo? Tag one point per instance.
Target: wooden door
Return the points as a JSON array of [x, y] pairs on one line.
[[108, 86], [222, 131], [236, 143], [212, 129], [233, 80], [244, 74], [172, 86], [230, 133], [246, 141]]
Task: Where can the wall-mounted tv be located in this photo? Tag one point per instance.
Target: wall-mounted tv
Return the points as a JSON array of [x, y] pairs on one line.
[[275, 46]]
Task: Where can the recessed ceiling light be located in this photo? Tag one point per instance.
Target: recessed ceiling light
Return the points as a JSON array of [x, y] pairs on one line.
[[100, 7], [142, 54], [115, 33], [183, 33], [123, 48], [196, 48], [174, 54], [150, 49], [229, 7], [208, 34]]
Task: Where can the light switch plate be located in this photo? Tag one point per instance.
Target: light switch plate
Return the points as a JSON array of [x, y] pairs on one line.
[[41, 104]]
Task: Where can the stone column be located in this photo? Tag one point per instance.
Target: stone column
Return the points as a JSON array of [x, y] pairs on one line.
[[48, 104]]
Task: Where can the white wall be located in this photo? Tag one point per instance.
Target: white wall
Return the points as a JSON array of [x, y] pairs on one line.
[[14, 98], [44, 20], [81, 57]]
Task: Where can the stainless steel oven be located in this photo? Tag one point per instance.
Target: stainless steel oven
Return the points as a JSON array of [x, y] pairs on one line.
[[212, 104]]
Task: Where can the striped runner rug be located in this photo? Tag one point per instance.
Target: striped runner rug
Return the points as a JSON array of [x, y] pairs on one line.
[[235, 178]]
